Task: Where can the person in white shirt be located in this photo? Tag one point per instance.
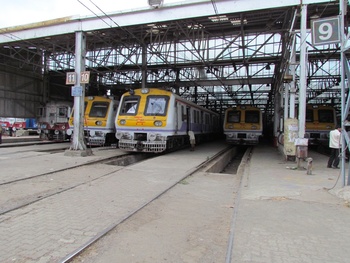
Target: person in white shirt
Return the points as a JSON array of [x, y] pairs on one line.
[[192, 139], [334, 145]]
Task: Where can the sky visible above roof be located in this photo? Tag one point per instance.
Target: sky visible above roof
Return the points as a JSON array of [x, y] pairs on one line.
[[20, 12]]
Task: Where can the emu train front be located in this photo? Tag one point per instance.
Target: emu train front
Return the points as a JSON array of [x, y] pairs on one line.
[[156, 120], [319, 121], [99, 117], [243, 125]]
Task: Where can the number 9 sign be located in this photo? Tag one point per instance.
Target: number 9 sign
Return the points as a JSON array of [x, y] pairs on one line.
[[326, 31]]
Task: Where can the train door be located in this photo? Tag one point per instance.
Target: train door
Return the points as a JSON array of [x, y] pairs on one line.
[[202, 121], [177, 114], [188, 119]]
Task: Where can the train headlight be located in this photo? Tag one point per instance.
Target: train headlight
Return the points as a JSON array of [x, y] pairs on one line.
[[144, 90], [158, 123], [230, 135], [127, 136], [63, 127], [92, 133], [69, 132], [38, 131], [57, 132], [254, 127], [152, 136], [98, 123], [122, 122]]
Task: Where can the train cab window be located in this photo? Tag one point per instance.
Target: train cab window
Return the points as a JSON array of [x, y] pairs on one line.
[[309, 115], [233, 117], [99, 109], [62, 112], [325, 116], [156, 105], [129, 105], [252, 116]]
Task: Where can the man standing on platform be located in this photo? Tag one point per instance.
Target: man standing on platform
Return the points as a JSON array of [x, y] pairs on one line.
[[334, 145], [192, 139]]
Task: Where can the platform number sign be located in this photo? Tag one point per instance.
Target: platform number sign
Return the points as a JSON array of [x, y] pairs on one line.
[[70, 78], [326, 31], [85, 77]]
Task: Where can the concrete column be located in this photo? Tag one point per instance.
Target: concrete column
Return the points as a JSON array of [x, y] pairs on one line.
[[144, 66], [303, 64], [78, 143]]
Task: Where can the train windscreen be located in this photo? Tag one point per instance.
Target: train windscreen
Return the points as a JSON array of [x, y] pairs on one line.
[[130, 105], [252, 116], [156, 105], [99, 109], [234, 117], [325, 116]]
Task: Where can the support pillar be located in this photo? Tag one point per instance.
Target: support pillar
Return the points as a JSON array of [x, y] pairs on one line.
[[78, 146]]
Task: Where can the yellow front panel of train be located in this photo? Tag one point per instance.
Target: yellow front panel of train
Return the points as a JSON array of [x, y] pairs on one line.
[[144, 109]]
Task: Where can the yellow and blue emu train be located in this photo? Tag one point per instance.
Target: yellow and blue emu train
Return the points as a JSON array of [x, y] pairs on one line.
[[319, 121], [243, 125], [99, 118], [155, 120]]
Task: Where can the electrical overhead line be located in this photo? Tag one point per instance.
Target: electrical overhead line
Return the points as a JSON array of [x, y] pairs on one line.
[[215, 7]]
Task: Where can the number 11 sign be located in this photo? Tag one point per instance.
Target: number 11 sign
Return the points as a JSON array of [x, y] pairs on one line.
[[326, 31]]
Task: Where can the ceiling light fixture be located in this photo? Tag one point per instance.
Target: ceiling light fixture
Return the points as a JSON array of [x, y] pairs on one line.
[[155, 3]]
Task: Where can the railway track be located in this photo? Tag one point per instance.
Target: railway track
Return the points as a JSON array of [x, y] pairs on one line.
[[104, 193], [89, 252], [47, 189]]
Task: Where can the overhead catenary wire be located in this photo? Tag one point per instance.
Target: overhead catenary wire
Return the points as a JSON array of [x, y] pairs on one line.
[[215, 7], [130, 33]]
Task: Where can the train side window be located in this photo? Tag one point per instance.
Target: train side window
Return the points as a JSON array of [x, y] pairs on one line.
[[129, 106], [99, 109], [252, 116], [233, 117], [207, 120], [156, 105], [183, 113]]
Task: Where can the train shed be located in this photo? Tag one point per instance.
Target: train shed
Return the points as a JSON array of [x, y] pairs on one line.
[[218, 54]]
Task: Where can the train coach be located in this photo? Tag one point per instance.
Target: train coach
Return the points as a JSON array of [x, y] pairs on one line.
[[99, 118], [156, 120], [243, 125], [319, 121], [52, 120]]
